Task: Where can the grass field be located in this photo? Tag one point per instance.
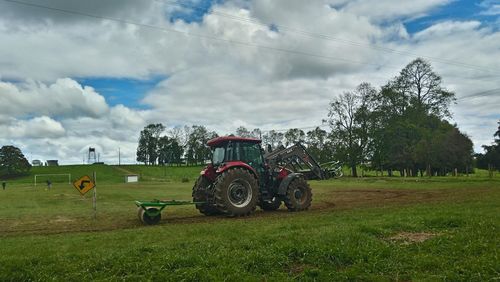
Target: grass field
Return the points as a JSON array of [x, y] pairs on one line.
[[357, 229]]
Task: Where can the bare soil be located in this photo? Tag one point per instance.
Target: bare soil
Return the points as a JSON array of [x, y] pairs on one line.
[[407, 238]]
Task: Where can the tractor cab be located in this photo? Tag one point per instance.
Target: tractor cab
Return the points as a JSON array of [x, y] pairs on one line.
[[231, 151]]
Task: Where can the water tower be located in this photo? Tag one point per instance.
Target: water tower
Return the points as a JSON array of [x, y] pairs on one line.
[[92, 156]]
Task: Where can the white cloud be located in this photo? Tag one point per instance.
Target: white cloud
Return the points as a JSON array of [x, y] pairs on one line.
[[38, 127], [491, 7], [65, 97], [384, 10]]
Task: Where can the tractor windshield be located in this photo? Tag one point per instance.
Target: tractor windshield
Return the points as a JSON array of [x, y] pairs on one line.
[[218, 155]]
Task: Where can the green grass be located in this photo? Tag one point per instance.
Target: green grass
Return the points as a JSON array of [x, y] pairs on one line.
[[349, 234]]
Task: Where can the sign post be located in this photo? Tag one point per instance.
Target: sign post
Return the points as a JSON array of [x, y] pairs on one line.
[[85, 184], [94, 200]]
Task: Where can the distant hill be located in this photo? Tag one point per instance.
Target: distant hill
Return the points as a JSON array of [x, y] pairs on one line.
[[111, 173]]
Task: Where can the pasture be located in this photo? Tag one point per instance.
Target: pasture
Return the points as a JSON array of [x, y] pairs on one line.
[[441, 228]]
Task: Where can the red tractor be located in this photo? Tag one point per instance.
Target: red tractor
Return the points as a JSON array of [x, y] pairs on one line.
[[242, 176]]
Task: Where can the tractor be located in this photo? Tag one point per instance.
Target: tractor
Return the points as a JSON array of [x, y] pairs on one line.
[[242, 176]]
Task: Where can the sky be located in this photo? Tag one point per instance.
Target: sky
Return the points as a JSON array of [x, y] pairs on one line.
[[79, 74]]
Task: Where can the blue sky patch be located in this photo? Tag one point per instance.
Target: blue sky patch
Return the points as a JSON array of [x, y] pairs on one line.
[[126, 91], [456, 10], [192, 12]]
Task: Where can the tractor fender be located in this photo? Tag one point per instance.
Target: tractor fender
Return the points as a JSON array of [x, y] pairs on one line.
[[285, 182], [229, 165]]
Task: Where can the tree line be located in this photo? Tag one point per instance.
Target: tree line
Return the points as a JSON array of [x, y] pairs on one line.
[[490, 159], [187, 144], [403, 126]]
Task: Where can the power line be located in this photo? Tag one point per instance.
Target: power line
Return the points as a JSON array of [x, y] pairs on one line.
[[486, 93], [328, 37], [204, 36], [209, 37]]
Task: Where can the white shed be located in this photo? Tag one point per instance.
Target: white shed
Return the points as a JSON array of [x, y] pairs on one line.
[[131, 178]]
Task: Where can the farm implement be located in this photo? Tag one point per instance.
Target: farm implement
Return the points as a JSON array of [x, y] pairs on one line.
[[150, 212], [242, 176]]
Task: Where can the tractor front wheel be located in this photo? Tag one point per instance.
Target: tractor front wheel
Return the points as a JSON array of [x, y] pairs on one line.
[[236, 192], [272, 205], [298, 195]]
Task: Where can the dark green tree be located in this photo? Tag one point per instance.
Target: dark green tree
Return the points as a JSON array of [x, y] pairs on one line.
[[164, 150], [420, 87], [406, 114], [147, 150], [243, 132], [12, 162], [316, 141], [293, 136], [491, 156], [196, 149], [176, 151]]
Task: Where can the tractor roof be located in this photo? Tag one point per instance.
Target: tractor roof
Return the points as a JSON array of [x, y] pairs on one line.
[[223, 139]]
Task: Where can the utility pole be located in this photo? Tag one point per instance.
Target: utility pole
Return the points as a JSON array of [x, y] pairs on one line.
[[119, 157]]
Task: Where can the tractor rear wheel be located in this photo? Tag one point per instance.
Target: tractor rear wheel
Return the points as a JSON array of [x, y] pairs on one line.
[[272, 205], [236, 192], [200, 194], [298, 195]]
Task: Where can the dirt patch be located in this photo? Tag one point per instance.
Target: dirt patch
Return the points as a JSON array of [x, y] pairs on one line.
[[407, 238], [347, 199], [296, 269], [61, 219]]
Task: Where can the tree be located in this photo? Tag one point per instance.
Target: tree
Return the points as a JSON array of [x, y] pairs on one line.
[[491, 156], [293, 136], [273, 138], [256, 133], [420, 87], [243, 132], [406, 119], [348, 118], [176, 151], [164, 150], [196, 149], [147, 150], [13, 162], [316, 144], [497, 134]]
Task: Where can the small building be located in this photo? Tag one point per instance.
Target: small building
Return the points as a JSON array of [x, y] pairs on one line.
[[131, 178], [52, 163], [36, 163]]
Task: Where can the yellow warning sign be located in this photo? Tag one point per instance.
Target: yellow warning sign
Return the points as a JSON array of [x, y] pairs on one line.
[[84, 184]]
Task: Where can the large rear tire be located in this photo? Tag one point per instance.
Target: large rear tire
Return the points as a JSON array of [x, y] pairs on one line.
[[236, 192], [298, 195], [200, 194]]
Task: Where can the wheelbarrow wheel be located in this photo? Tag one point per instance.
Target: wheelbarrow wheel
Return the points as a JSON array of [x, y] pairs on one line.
[[148, 219], [139, 213]]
